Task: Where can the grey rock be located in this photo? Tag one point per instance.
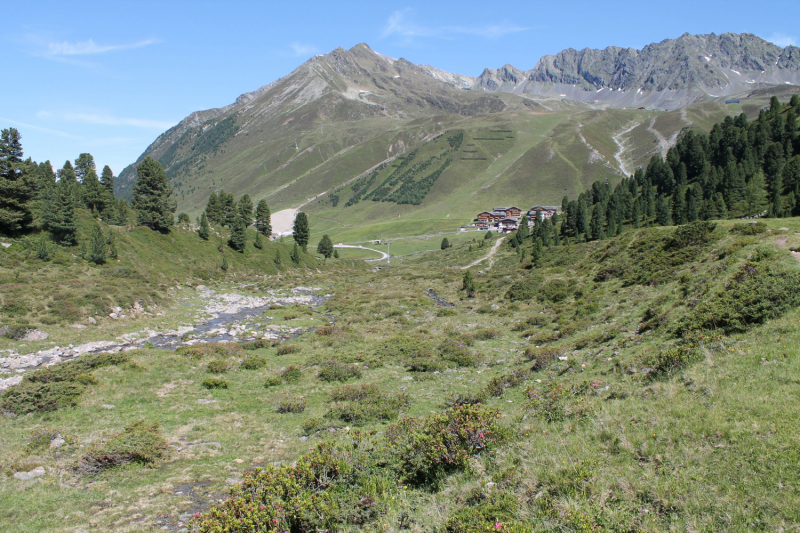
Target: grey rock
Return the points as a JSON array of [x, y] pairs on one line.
[[34, 335], [25, 476], [108, 406], [91, 320], [233, 481], [58, 442], [203, 401]]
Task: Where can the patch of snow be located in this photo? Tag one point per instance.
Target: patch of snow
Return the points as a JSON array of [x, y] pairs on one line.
[[736, 71], [707, 58]]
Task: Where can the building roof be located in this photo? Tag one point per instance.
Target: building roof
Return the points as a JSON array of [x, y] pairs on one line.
[[545, 208]]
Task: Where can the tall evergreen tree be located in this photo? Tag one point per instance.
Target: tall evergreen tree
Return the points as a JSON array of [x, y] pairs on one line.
[[228, 208], [97, 251], [93, 193], [214, 208], [754, 195], [83, 165], [663, 215], [263, 218], [679, 206], [325, 247], [238, 238], [151, 197], [445, 244], [598, 222], [582, 222], [258, 242], [468, 284], [59, 214], [546, 233], [17, 184], [522, 230], [301, 230], [245, 208], [67, 173], [203, 231], [295, 255], [107, 179]]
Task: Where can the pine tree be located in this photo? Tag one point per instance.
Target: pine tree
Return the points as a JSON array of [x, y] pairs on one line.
[[679, 206], [598, 222], [693, 204], [335, 253], [582, 221], [325, 247], [97, 247], [151, 197], [663, 215], [245, 208], [214, 208], [83, 165], [445, 244], [522, 230], [295, 255], [546, 233], [537, 251], [487, 235], [107, 179], [17, 184], [263, 219], [228, 208], [258, 242], [719, 204], [93, 193], [67, 173], [238, 238], [60, 219], [112, 249], [754, 195], [468, 284], [183, 218], [300, 230], [224, 265]]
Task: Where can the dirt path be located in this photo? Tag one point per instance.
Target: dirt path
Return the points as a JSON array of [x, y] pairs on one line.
[[621, 145], [489, 256], [383, 256]]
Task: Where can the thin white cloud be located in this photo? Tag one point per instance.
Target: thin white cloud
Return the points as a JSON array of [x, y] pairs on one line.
[[782, 40], [89, 47], [300, 49], [400, 25], [108, 120], [39, 128]]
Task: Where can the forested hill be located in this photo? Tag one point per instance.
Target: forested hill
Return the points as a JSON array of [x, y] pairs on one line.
[[741, 168]]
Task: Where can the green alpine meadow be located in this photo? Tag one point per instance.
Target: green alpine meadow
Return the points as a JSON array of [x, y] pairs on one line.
[[378, 296]]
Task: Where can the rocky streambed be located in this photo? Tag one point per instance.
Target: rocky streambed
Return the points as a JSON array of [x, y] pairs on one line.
[[229, 318]]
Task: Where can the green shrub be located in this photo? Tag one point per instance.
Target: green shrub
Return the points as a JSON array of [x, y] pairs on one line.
[[291, 404], [337, 371], [359, 404], [426, 364], [466, 398], [41, 438], [446, 311], [254, 362], [692, 234], [312, 425], [556, 290], [217, 366], [286, 349], [273, 381], [140, 442], [497, 385], [13, 332], [542, 357], [493, 511], [427, 449], [555, 401], [28, 397], [255, 345], [668, 361], [291, 374], [405, 347], [485, 334], [751, 228], [458, 353], [755, 294], [215, 383]]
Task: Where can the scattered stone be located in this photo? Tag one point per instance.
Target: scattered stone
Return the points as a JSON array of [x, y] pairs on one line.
[[233, 481], [185, 517], [303, 438], [34, 335], [25, 476], [203, 401], [79, 326], [564, 358], [91, 321], [57, 442], [5, 244], [238, 461], [108, 406]]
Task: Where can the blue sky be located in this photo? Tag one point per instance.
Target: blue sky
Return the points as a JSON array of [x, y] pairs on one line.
[[109, 77]]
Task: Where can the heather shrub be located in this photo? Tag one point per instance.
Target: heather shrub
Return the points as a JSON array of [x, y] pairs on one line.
[[217, 366], [273, 381], [754, 228], [485, 334], [286, 349], [215, 383], [466, 398], [359, 404], [254, 362], [498, 385], [140, 442], [554, 402], [291, 404], [668, 361], [291, 374], [543, 356], [337, 371], [255, 345], [427, 449], [458, 353]]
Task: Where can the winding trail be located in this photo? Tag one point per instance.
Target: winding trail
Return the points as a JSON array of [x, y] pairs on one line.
[[489, 256], [383, 256]]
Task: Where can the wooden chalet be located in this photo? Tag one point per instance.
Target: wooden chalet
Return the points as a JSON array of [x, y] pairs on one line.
[[509, 211], [507, 224]]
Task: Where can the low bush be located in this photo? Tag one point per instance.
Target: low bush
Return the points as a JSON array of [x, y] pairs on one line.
[[458, 353], [215, 383], [255, 345], [446, 311], [291, 404], [221, 349], [337, 371], [13, 332], [405, 347], [254, 362], [41, 438], [543, 356], [752, 228], [291, 374], [312, 425], [554, 402], [466, 398], [756, 293], [285, 349], [427, 449], [140, 442], [426, 364], [485, 334], [358, 404], [217, 366], [556, 290], [492, 511], [692, 234], [668, 361], [273, 381], [497, 385]]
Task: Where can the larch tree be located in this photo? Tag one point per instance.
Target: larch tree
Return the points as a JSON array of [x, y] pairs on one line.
[[151, 197]]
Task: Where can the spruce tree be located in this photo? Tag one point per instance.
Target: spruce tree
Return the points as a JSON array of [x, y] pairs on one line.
[[61, 215], [263, 219], [537, 251], [754, 195], [721, 208], [445, 244], [335, 253], [663, 215], [67, 173], [17, 184], [582, 221], [546, 233], [238, 238], [245, 209], [151, 197], [301, 230], [107, 179], [325, 247], [214, 209], [228, 208], [468, 284], [487, 235], [258, 242], [522, 230], [597, 225], [97, 247], [679, 206], [295, 255], [83, 165], [93, 193], [224, 265]]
